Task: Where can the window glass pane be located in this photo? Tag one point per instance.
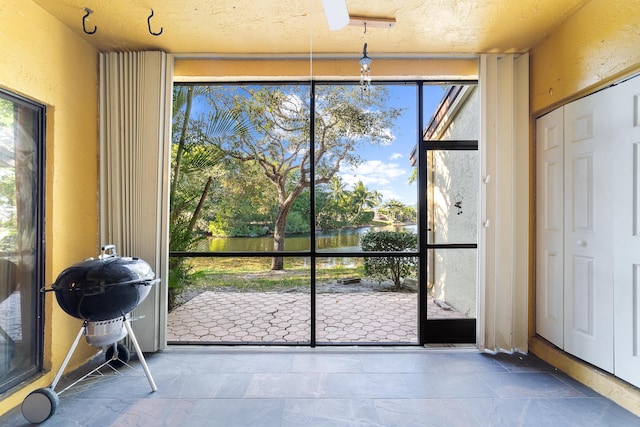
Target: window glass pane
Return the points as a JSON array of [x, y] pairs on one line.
[[451, 112], [357, 302], [20, 237], [240, 300], [240, 177], [364, 178], [452, 283], [452, 196]]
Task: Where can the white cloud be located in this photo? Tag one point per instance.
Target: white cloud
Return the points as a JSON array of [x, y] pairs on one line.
[[373, 173], [396, 156]]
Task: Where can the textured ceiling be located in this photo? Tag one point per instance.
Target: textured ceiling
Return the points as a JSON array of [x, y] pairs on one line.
[[280, 27]]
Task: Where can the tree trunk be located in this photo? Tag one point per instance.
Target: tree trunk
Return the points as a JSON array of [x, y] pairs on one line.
[[203, 197], [181, 144], [279, 229]]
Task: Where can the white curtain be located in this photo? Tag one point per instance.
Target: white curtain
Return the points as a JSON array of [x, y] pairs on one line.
[[504, 212], [135, 125]]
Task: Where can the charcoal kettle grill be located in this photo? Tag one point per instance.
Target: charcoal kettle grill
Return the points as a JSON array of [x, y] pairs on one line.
[[102, 292]]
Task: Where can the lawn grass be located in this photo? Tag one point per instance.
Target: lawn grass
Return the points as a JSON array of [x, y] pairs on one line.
[[253, 274]]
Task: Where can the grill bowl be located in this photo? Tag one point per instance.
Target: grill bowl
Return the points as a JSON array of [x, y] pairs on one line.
[[105, 332]]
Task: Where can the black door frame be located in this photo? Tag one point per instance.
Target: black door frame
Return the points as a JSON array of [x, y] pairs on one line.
[[439, 331]]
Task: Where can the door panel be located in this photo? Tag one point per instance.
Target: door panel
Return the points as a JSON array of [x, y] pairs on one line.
[[583, 295], [626, 229], [582, 209], [452, 195], [588, 248], [550, 227]]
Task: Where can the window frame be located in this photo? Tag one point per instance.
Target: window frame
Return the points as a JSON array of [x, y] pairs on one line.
[[463, 330], [37, 297]]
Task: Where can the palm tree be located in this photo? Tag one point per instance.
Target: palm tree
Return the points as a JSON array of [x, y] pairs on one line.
[[376, 199], [337, 186], [362, 197]]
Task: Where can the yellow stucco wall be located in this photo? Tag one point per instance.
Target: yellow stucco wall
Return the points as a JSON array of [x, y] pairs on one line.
[[228, 69], [45, 61], [593, 48]]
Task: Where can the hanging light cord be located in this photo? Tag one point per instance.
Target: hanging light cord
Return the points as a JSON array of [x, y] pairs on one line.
[[310, 41]]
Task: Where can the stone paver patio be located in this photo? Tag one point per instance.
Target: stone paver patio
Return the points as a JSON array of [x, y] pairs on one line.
[[281, 317]]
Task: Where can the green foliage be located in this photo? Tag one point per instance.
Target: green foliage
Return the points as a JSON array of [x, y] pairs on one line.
[[243, 203], [365, 217], [6, 113], [398, 212], [298, 218], [8, 217], [344, 208], [394, 268]]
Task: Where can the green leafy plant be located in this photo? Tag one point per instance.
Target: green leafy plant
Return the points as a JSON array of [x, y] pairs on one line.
[[395, 268]]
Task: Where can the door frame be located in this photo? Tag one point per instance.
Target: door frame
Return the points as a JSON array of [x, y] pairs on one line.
[[441, 331]]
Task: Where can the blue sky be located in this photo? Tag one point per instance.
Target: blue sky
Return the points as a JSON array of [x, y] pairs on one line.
[[387, 168]]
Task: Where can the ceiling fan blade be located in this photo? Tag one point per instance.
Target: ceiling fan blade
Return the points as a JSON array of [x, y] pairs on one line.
[[336, 13]]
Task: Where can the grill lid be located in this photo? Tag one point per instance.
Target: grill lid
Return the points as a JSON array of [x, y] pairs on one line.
[[104, 288]]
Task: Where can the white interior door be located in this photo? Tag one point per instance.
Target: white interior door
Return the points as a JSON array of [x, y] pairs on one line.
[[550, 227], [626, 229], [588, 256]]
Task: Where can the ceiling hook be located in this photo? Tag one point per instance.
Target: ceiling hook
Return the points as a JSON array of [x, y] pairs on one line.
[[84, 19], [149, 24]]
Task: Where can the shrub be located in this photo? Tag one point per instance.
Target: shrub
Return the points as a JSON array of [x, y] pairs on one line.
[[394, 268]]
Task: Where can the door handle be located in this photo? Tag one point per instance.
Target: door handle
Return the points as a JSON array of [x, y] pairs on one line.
[[582, 243]]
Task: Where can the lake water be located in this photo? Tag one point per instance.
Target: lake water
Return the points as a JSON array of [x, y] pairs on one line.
[[336, 240]]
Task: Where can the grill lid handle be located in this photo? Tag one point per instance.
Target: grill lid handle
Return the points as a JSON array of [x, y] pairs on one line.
[[108, 251]]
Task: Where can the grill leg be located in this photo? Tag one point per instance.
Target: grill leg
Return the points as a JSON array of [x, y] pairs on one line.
[[66, 360], [140, 355]]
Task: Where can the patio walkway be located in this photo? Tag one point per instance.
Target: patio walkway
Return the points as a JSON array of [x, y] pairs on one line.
[[249, 317]]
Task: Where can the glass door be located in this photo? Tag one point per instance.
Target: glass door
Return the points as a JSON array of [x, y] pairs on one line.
[[451, 184]]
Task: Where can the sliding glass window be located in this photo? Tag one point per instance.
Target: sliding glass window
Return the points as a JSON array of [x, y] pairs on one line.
[[299, 214], [21, 238]]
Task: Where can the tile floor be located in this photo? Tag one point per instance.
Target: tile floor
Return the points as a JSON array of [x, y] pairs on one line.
[[329, 386]]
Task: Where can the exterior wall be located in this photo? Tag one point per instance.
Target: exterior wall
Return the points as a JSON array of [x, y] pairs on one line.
[[594, 48], [455, 179], [47, 62]]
